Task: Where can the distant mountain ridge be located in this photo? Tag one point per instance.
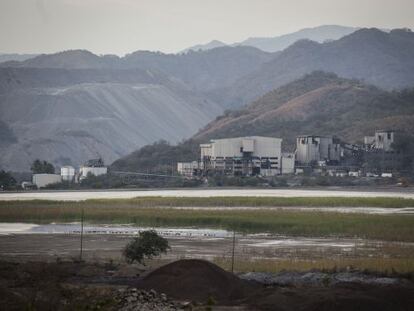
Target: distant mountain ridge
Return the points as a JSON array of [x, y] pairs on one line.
[[274, 44], [234, 76], [318, 34], [6, 57], [379, 58], [203, 70], [204, 47]]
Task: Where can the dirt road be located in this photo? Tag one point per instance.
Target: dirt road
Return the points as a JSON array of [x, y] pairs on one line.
[[126, 194]]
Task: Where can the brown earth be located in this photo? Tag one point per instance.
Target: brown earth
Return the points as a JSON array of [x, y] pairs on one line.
[[91, 286], [198, 280]]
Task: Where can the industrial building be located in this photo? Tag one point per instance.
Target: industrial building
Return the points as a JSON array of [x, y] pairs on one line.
[[188, 169], [315, 149], [94, 167], [382, 140], [43, 180], [287, 163], [243, 156], [240, 156]]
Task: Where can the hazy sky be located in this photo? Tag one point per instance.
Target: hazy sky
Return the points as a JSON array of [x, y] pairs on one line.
[[123, 26]]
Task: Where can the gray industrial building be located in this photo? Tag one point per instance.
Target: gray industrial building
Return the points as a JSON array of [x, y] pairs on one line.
[[315, 149], [44, 180], [240, 156], [243, 156], [382, 140]]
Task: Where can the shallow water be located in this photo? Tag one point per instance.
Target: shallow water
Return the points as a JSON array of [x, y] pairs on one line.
[[207, 243], [75, 228]]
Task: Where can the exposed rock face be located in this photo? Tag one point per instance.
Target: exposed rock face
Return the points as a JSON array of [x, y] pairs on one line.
[[105, 114]]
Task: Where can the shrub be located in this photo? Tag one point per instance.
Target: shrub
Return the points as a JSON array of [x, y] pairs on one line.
[[147, 245]]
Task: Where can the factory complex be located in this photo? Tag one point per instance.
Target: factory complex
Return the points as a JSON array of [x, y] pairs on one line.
[[263, 156]]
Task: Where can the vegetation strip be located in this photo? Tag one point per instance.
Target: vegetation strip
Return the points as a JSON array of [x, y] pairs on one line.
[[376, 265], [144, 212], [227, 201]]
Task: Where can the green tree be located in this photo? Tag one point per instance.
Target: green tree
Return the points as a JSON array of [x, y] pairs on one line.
[[147, 245], [42, 167], [6, 180]]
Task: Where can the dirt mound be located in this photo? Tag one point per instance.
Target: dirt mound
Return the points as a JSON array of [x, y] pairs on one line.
[[198, 280]]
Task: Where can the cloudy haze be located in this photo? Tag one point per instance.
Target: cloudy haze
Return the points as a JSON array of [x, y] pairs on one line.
[[123, 26]]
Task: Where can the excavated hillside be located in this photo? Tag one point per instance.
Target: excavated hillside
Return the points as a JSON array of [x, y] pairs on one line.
[[70, 116]]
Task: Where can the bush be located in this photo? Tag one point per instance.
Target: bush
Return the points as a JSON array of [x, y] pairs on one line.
[[147, 245], [6, 181], [42, 167]]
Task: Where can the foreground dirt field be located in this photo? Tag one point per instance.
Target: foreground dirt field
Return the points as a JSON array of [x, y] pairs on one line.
[[182, 285]]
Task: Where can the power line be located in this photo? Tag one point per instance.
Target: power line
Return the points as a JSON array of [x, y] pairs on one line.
[[144, 174]]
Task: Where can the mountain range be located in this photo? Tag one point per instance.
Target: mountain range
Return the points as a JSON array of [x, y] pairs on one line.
[[273, 44], [6, 57], [379, 58], [70, 106]]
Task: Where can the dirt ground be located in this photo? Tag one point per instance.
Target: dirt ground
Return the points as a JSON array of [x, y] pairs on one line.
[[201, 285], [42, 272]]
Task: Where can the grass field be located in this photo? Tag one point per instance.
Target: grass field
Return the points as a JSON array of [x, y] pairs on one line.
[[227, 201], [144, 211]]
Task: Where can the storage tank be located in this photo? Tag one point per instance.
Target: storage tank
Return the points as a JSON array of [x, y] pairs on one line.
[[67, 173]]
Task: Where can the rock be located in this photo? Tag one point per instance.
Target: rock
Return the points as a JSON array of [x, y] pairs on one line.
[[133, 299]]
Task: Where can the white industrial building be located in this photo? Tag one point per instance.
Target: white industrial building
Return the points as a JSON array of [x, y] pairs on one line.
[[94, 167], [43, 180], [287, 163], [242, 156], [188, 169], [382, 140], [313, 149], [67, 173]]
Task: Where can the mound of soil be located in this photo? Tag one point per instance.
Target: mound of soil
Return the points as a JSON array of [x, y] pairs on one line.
[[197, 280]]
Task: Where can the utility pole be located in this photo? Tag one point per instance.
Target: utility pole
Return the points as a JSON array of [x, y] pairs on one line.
[[81, 237], [232, 253]]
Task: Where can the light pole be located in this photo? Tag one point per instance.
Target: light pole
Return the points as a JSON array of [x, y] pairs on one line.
[[81, 237], [232, 253]]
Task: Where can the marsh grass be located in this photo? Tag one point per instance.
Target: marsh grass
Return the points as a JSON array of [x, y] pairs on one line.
[[145, 212], [228, 202]]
